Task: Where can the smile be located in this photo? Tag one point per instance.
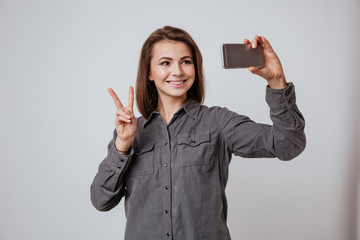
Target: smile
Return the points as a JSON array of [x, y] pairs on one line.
[[177, 82]]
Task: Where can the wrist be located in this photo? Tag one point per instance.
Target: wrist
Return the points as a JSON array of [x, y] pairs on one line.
[[278, 83], [122, 152], [121, 146]]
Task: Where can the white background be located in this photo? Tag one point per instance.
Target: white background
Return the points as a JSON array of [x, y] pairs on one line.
[[57, 58]]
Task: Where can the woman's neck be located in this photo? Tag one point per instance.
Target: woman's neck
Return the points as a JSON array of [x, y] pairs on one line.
[[168, 107]]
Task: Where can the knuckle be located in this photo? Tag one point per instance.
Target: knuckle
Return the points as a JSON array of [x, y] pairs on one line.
[[119, 112]]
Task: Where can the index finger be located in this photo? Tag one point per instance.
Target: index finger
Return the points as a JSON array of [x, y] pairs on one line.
[[115, 98], [264, 42]]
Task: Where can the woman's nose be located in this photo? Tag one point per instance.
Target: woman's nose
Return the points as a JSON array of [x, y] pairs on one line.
[[177, 70]]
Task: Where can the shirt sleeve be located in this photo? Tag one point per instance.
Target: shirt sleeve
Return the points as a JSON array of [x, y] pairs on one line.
[[108, 186], [285, 139]]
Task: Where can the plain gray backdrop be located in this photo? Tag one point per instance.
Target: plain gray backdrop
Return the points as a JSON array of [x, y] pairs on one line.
[[57, 59]]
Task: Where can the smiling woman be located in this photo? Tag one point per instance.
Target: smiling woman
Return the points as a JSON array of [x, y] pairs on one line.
[[157, 50], [173, 72], [171, 164]]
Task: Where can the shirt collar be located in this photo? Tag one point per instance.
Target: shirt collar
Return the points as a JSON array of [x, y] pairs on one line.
[[191, 107]]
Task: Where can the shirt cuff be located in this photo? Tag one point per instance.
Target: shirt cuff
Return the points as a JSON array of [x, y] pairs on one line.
[[119, 162], [281, 98]]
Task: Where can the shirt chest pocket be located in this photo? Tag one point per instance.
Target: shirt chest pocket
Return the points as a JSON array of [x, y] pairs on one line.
[[142, 162], [194, 148]]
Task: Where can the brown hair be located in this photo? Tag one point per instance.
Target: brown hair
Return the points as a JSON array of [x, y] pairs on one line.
[[146, 93]]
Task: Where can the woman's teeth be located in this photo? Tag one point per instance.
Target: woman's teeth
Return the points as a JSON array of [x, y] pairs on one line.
[[177, 83]]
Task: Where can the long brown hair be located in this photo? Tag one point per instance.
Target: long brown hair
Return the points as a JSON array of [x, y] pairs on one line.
[[146, 93]]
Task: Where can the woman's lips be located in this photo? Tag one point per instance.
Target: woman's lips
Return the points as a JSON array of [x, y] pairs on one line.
[[177, 83]]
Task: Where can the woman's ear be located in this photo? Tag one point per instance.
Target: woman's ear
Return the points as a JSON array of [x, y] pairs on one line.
[[150, 77]]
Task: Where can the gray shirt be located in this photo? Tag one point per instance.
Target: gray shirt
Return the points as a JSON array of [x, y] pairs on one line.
[[174, 177]]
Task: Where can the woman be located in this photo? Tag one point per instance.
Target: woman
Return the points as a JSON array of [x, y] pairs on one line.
[[171, 164]]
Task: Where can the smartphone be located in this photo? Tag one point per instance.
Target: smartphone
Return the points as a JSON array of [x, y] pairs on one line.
[[241, 55]]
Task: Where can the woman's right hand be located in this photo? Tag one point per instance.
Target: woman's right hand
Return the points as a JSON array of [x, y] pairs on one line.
[[125, 122]]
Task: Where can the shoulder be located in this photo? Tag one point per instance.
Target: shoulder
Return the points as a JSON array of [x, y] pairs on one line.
[[213, 110], [223, 115], [141, 121]]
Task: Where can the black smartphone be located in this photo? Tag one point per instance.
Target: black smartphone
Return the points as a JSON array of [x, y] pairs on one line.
[[241, 55]]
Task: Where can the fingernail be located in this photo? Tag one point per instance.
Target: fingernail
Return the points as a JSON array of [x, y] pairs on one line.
[[253, 45], [128, 116]]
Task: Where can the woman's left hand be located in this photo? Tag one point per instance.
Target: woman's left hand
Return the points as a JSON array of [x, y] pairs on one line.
[[272, 70]]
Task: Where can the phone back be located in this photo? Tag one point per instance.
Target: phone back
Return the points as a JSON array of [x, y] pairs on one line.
[[237, 55]]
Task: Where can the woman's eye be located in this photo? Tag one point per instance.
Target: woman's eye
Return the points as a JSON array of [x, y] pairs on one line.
[[165, 63], [186, 62]]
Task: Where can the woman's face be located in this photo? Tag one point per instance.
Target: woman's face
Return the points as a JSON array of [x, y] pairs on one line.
[[172, 70]]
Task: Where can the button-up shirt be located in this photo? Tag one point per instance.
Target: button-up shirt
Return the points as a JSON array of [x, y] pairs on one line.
[[174, 177]]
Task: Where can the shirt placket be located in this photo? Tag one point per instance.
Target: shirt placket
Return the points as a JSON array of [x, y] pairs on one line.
[[166, 169]]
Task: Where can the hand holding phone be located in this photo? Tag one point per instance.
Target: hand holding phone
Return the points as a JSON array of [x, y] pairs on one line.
[[263, 62], [239, 55]]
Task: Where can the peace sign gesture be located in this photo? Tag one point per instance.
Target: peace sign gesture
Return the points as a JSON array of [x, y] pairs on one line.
[[125, 121]]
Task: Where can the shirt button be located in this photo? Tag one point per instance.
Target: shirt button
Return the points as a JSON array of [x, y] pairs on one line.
[[166, 143], [168, 234], [166, 165], [193, 142], [166, 187], [166, 211]]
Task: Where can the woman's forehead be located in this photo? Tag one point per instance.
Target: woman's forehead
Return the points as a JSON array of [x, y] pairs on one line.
[[170, 48]]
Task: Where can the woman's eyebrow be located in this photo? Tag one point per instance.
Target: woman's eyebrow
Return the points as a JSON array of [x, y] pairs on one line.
[[169, 58], [166, 58], [185, 57]]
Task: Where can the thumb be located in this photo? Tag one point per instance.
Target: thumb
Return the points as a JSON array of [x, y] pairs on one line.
[[255, 70]]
